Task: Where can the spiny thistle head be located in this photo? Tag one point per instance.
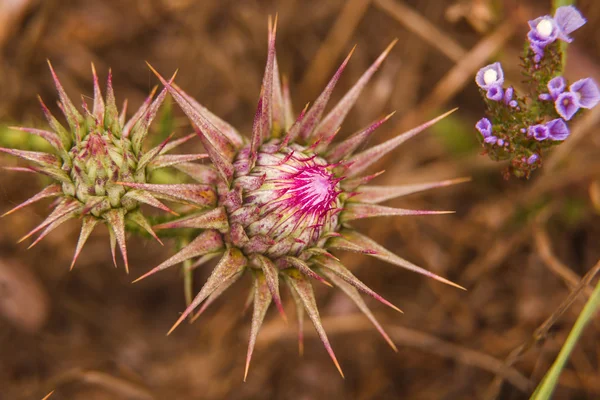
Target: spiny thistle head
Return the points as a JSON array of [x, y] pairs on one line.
[[93, 158], [286, 197]]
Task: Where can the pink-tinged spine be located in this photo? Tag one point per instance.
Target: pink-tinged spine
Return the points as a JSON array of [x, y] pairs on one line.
[[87, 226], [213, 219], [332, 121], [38, 157], [272, 277], [226, 129], [379, 194], [116, 223], [345, 148], [146, 198], [304, 268], [378, 251], [305, 293], [360, 303], [205, 128], [305, 129], [363, 160], [340, 270], [232, 263], [137, 217], [199, 195], [353, 211], [50, 137], [70, 111], [262, 301], [209, 241], [50, 191], [98, 107]]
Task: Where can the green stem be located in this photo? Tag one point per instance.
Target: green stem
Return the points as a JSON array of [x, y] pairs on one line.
[[546, 387]]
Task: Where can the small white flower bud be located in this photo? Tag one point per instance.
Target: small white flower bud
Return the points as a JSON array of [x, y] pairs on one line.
[[544, 28], [490, 76]]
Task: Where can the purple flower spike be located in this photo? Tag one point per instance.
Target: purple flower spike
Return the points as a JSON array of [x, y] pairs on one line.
[[544, 31], [568, 19], [556, 86], [558, 129], [495, 93], [508, 95], [545, 97], [500, 142], [490, 139], [539, 132], [587, 92], [484, 126], [532, 159], [567, 104], [490, 75]]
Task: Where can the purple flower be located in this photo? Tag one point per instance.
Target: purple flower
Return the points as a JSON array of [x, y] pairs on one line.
[[556, 86], [566, 105], [539, 132], [544, 31], [587, 92], [545, 97], [484, 126], [568, 19], [490, 75], [495, 93], [508, 95], [532, 159], [558, 129], [490, 139]]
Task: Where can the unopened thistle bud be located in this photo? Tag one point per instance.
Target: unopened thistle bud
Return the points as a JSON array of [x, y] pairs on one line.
[[94, 157], [286, 198]]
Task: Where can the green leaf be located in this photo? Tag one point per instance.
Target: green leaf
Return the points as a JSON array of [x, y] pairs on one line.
[[546, 387]]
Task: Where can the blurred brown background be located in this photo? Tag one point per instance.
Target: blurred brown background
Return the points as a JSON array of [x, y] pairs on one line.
[[519, 247]]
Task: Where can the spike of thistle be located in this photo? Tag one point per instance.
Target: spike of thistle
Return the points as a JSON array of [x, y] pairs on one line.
[[213, 219], [272, 278], [355, 211], [336, 116], [216, 294], [116, 221], [207, 242], [262, 301], [88, 225], [378, 251], [363, 160], [379, 194], [50, 191], [305, 129], [338, 268], [351, 292], [347, 147], [305, 293], [232, 263]]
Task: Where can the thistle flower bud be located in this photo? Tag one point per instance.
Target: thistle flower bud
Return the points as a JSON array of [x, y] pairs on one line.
[[95, 158], [286, 198]]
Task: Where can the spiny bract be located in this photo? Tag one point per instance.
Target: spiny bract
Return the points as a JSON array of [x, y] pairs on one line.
[[285, 198], [94, 160]]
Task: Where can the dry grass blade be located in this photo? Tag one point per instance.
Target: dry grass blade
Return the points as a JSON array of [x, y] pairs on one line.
[[332, 47], [542, 331], [354, 323], [416, 23]]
